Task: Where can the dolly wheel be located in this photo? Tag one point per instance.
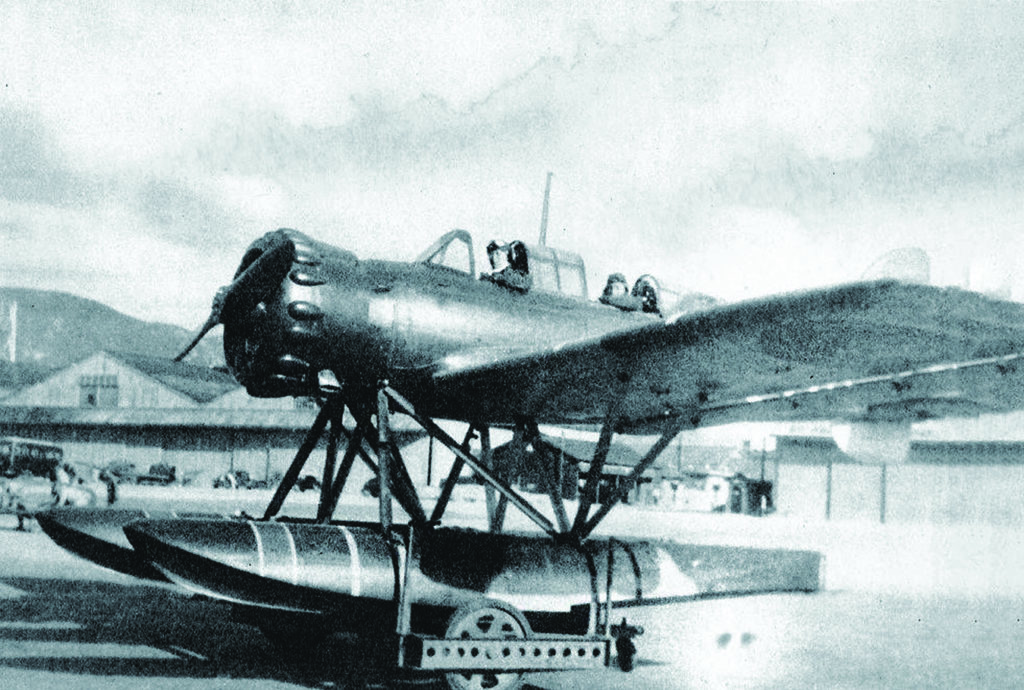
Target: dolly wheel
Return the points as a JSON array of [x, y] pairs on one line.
[[492, 620]]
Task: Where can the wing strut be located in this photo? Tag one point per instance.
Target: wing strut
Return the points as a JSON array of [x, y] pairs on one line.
[[604, 443], [589, 494], [672, 429], [554, 479]]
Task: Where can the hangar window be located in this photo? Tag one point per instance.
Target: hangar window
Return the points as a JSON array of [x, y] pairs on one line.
[[99, 390]]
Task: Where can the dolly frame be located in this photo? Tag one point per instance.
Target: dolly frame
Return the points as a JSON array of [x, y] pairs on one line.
[[428, 652]]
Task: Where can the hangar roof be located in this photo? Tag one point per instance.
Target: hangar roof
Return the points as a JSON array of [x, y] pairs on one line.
[[202, 384]]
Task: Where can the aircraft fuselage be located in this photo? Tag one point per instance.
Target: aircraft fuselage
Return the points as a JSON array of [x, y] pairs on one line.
[[321, 308]]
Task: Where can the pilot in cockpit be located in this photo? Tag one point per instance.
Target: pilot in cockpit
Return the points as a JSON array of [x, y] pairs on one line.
[[615, 289], [643, 297], [509, 265], [616, 294], [497, 254]]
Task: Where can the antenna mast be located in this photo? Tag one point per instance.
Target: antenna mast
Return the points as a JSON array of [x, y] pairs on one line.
[[544, 213]]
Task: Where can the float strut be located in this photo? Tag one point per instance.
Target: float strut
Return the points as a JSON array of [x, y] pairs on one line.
[[384, 458], [324, 507], [292, 475], [353, 447], [452, 480], [528, 432], [504, 489]]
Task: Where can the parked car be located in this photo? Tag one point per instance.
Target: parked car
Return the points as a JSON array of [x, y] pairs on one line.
[[160, 474], [238, 479], [119, 472]]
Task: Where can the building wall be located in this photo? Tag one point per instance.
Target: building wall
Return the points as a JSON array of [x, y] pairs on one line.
[[199, 452], [250, 451], [988, 494], [856, 492], [94, 446], [943, 484], [143, 447], [239, 399], [800, 491]]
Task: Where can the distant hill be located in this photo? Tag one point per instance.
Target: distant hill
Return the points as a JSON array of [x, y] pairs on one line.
[[15, 376], [55, 329]]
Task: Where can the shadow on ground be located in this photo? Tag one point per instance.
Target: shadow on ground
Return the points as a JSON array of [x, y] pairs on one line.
[[198, 635]]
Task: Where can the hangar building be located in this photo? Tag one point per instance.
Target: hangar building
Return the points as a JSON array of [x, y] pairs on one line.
[[123, 407]]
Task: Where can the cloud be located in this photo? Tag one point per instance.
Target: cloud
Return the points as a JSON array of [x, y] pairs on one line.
[[175, 211], [32, 168], [239, 140], [97, 252], [377, 126], [430, 133]]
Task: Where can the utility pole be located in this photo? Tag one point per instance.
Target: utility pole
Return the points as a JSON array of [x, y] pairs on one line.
[[12, 337]]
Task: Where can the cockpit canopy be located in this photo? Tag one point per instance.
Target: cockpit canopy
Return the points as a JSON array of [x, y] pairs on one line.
[[557, 271], [453, 250], [553, 271]]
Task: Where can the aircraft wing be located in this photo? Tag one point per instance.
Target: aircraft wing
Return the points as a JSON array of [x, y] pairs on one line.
[[873, 351]]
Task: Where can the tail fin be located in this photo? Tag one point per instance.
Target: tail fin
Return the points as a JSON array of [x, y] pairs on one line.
[[906, 264]]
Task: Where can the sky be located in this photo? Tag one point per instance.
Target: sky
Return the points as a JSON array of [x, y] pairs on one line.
[[733, 149]]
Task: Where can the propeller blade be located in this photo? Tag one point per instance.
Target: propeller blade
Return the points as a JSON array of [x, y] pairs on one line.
[[212, 320], [259, 278], [247, 290], [206, 328]]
